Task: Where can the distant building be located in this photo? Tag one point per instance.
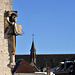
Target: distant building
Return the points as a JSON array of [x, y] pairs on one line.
[[65, 68], [44, 60], [23, 66]]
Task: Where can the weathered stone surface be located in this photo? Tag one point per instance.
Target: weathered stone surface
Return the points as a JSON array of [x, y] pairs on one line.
[[5, 5]]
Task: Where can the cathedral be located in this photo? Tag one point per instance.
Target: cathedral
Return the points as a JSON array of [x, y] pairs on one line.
[[44, 60]]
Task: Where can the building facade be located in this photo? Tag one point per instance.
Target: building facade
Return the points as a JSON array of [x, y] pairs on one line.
[[5, 5], [7, 37]]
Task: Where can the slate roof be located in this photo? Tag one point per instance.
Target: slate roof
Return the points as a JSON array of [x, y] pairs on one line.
[[50, 60], [23, 66], [62, 73]]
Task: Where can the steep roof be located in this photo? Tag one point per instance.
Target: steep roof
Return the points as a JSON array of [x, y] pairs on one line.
[[33, 46], [52, 60], [24, 67]]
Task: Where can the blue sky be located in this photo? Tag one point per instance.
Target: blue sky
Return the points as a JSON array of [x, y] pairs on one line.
[[51, 21]]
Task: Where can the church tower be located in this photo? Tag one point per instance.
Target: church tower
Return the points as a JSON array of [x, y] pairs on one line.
[[33, 53]]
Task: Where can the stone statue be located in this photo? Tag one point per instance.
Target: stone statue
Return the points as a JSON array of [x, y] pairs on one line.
[[10, 21]]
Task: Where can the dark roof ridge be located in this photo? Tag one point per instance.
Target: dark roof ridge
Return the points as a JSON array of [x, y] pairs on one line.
[[22, 54], [46, 54], [54, 54]]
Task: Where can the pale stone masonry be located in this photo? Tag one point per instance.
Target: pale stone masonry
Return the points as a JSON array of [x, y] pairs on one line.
[[5, 5]]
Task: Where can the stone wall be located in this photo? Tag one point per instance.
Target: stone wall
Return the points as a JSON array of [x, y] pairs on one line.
[[5, 5]]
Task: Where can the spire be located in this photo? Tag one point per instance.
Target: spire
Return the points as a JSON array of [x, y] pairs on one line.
[[33, 46], [32, 37], [33, 51]]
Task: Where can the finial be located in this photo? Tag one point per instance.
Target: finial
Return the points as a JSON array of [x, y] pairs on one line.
[[46, 64], [32, 37]]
